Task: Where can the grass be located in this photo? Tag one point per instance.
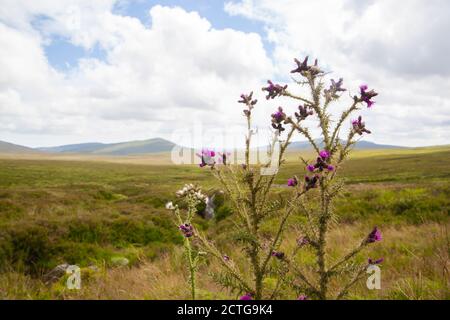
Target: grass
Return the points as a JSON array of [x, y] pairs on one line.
[[91, 211]]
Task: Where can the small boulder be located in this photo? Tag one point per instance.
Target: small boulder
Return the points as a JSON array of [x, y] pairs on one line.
[[56, 273]]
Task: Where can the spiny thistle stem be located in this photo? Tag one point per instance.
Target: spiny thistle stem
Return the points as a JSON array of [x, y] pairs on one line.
[[187, 245], [192, 196]]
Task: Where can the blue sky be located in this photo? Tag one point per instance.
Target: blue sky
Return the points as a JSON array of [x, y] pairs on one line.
[[63, 55]]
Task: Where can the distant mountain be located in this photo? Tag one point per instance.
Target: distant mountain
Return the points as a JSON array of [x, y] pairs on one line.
[[6, 147], [372, 145], [155, 145], [303, 145], [123, 148], [75, 148]]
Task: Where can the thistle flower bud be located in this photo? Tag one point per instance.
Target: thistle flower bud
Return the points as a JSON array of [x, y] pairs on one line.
[[324, 154], [320, 165], [187, 230], [274, 90], [302, 67], [247, 99], [292, 182], [335, 88], [374, 236], [311, 182], [304, 112], [247, 296], [207, 158], [373, 262], [249, 102], [366, 96], [278, 254], [278, 118], [359, 126]]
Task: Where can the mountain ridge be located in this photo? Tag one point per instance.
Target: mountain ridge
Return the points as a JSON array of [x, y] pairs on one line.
[[148, 146], [301, 145], [135, 147], [7, 147]]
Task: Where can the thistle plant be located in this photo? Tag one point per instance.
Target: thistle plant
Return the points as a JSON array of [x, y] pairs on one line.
[[192, 196], [257, 200]]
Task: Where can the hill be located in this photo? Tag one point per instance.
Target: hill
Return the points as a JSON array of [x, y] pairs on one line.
[[303, 145], [149, 146], [155, 145], [6, 147]]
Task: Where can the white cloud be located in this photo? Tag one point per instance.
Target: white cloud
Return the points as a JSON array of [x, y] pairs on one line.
[[400, 49], [178, 71], [169, 75]]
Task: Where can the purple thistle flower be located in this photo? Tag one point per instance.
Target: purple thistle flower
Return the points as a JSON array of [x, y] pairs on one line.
[[187, 230], [292, 182], [372, 262], [247, 99], [303, 112], [374, 236], [359, 126], [302, 297], [207, 158], [277, 118], [335, 87], [247, 296], [274, 90], [321, 163], [278, 254], [324, 154], [366, 96], [303, 67], [249, 102], [226, 258]]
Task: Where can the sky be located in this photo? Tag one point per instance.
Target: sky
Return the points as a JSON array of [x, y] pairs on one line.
[[75, 71]]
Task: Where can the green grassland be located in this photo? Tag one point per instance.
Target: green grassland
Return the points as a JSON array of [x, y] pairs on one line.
[[88, 213]]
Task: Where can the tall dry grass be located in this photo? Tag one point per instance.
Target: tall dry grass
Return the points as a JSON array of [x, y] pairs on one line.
[[416, 267]]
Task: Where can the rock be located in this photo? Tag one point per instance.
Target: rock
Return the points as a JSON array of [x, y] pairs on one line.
[[56, 273], [209, 210]]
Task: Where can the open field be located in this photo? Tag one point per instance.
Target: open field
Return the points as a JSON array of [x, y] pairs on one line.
[[90, 211]]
